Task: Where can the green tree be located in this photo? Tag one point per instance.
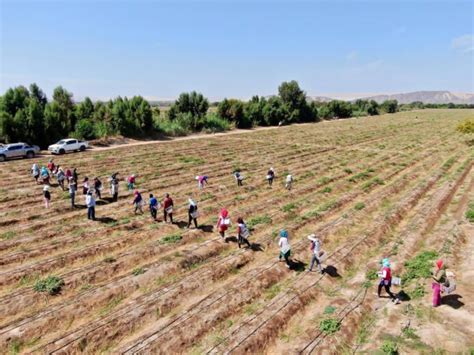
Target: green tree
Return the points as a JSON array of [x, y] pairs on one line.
[[373, 108], [35, 133], [253, 110], [275, 111], [233, 110], [85, 110], [389, 106], [64, 108], [340, 109], [194, 103], [295, 100], [39, 95]]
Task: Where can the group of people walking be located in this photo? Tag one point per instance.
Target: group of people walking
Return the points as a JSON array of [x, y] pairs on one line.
[[92, 192]]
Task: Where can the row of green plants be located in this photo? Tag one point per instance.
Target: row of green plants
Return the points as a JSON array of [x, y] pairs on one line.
[[27, 115]]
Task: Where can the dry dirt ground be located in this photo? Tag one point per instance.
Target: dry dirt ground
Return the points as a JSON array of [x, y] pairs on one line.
[[391, 186]]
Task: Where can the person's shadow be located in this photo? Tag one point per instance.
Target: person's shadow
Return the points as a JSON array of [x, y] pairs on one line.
[[331, 271], [105, 219], [206, 228], [297, 265], [452, 301]]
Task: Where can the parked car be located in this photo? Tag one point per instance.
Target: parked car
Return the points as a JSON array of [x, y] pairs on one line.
[[18, 150], [68, 145]]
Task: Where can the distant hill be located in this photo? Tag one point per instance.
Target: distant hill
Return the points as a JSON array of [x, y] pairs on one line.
[[432, 97]]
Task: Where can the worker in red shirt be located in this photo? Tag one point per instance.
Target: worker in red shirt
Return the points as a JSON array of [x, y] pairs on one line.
[[168, 208]]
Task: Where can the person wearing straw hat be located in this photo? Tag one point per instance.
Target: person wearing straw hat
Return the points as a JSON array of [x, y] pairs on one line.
[[46, 196], [439, 279], [242, 232], [168, 208], [285, 249], [192, 213], [316, 252], [386, 280]]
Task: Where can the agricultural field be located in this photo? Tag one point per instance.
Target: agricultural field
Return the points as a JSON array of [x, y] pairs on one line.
[[398, 186]]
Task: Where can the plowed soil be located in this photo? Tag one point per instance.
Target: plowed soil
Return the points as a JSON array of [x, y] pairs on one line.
[[390, 186]]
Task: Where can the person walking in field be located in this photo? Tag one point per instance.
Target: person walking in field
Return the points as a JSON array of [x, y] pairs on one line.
[[90, 203], [154, 205], [289, 182], [85, 186], [97, 187], [285, 249], [223, 222], [270, 176], [75, 175], [168, 208], [386, 281], [46, 196], [316, 252], [44, 176], [68, 174], [202, 180], [131, 182], [61, 176], [192, 213], [35, 172], [439, 279], [51, 166], [242, 232], [114, 187], [72, 191], [238, 177], [138, 202]]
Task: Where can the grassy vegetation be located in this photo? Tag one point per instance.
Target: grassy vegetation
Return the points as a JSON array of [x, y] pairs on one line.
[[470, 212], [138, 271], [7, 235], [389, 347], [329, 326], [419, 267], [51, 284], [171, 239], [289, 207], [359, 206]]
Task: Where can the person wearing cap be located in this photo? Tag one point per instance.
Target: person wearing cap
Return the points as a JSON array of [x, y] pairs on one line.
[[316, 252], [46, 196], [138, 202], [223, 222], [386, 280], [168, 208], [131, 182], [154, 205], [289, 182], [270, 176], [242, 232], [238, 177], [192, 213], [439, 279], [90, 203], [202, 179], [285, 249], [72, 191]]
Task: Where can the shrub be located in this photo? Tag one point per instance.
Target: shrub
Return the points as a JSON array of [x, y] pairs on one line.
[[103, 129], [174, 128], [138, 271], [418, 292], [258, 220], [359, 206], [51, 285], [329, 325], [371, 275], [466, 126], [389, 347], [419, 267], [329, 310], [212, 123]]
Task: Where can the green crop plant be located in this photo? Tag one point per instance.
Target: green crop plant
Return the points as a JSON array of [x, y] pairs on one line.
[[258, 220], [51, 284], [329, 310], [170, 239], [359, 206], [289, 207], [389, 347], [138, 271], [470, 212], [329, 326], [326, 190], [419, 267]]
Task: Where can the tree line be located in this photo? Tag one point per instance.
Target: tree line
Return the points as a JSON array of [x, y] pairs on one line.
[[27, 115]]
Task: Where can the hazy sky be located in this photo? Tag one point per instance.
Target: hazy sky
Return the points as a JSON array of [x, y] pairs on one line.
[[236, 48]]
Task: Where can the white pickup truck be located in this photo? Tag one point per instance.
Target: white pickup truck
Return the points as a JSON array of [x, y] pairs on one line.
[[68, 145]]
